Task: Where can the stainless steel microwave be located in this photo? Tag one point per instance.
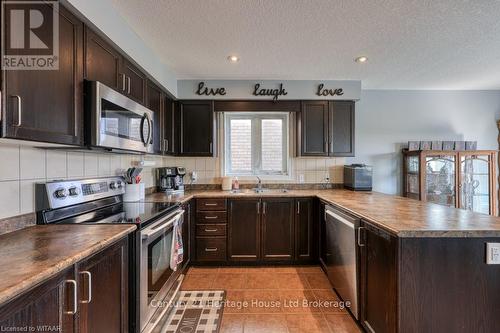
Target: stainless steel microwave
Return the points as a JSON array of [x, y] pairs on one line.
[[114, 121]]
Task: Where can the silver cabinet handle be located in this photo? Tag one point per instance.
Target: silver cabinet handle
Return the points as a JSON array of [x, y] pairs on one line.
[[326, 146], [75, 302], [210, 204], [124, 83], [128, 85], [19, 110], [258, 207], [211, 249], [298, 207], [89, 290], [211, 230], [210, 217], [359, 237], [264, 205], [211, 148], [166, 144]]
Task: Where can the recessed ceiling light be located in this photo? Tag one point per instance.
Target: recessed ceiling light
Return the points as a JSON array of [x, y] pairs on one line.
[[233, 58], [361, 59]]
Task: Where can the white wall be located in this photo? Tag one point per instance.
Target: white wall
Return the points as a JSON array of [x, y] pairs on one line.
[[385, 120], [105, 17]]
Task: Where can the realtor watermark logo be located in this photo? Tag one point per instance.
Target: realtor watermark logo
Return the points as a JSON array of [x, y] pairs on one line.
[[30, 35]]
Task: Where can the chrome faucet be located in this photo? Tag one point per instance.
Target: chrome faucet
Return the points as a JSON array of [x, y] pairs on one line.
[[259, 184]]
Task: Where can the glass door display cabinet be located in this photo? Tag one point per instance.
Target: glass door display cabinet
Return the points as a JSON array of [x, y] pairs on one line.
[[462, 179]]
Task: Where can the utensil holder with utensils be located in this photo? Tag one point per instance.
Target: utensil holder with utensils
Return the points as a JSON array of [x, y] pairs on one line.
[[132, 192]]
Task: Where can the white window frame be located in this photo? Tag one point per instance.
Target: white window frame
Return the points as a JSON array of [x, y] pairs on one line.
[[256, 142]]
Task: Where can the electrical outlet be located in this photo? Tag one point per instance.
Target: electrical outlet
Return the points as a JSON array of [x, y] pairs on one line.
[[493, 253], [194, 176], [301, 178]]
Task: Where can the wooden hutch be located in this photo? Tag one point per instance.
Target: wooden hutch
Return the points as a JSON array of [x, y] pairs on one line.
[[462, 179]]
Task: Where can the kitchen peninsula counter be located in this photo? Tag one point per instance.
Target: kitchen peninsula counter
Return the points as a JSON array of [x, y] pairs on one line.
[[399, 216]]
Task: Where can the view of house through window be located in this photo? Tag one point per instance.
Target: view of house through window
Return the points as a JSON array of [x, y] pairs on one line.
[[256, 143]]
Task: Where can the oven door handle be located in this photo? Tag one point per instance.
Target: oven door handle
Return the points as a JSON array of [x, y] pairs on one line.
[[161, 225], [146, 139]]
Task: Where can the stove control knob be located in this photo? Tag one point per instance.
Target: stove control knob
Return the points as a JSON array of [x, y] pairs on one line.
[[74, 191], [60, 193], [113, 185], [119, 184]]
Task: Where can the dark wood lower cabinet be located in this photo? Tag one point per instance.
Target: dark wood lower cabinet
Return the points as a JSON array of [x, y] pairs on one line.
[[103, 286], [91, 296], [44, 306], [244, 230], [271, 230], [446, 286], [378, 280], [306, 245], [278, 229]]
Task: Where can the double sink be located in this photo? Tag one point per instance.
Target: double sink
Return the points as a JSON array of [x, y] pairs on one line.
[[259, 191]]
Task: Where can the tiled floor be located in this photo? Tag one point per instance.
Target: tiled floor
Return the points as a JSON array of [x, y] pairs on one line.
[[274, 299]]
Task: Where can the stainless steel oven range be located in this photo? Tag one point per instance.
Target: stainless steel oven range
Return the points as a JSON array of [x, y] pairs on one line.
[[114, 121], [155, 273]]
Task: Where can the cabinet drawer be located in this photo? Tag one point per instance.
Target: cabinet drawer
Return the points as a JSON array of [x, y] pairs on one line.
[[211, 249], [211, 230], [211, 217], [210, 204]]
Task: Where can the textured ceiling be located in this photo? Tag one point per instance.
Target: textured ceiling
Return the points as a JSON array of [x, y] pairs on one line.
[[411, 44]]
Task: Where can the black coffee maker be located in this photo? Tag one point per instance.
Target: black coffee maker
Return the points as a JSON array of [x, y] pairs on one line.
[[171, 180]]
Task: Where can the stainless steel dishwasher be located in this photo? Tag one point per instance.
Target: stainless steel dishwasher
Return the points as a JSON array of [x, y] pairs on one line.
[[341, 255]]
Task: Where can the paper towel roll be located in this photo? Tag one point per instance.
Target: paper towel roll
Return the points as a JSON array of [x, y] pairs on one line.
[[227, 183]]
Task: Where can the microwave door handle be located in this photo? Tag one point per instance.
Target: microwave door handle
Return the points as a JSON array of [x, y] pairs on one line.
[[145, 119]]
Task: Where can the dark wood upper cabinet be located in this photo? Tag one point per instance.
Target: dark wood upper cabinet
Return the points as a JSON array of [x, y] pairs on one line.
[[155, 104], [47, 105], [46, 305], [135, 82], [312, 129], [103, 290], [169, 139], [341, 124], [378, 280], [305, 230], [244, 229], [277, 229], [105, 64], [326, 128], [197, 128], [102, 62]]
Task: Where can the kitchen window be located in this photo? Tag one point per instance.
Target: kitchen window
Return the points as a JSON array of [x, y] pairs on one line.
[[256, 144]]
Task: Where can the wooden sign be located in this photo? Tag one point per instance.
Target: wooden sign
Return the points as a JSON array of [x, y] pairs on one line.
[[329, 92], [258, 91], [202, 90]]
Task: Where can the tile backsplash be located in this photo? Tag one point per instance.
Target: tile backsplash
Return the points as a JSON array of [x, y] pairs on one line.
[[23, 166], [313, 170]]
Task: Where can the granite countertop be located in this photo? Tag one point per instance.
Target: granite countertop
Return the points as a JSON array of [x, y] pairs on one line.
[[400, 216], [34, 254]]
